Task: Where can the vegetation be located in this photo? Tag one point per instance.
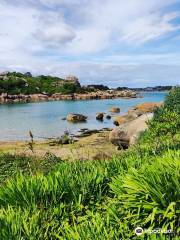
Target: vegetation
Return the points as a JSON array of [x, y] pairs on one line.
[[150, 89], [98, 199], [98, 87], [18, 83]]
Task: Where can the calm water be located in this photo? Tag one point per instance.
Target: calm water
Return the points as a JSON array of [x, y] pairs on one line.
[[45, 119]]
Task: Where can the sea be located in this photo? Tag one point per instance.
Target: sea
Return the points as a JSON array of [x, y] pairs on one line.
[[45, 119]]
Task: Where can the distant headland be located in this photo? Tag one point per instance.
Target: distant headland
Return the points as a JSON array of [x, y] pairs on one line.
[[24, 87]]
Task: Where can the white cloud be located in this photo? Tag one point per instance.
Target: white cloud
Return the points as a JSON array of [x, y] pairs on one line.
[[115, 22], [35, 35], [100, 25], [149, 27], [55, 36]]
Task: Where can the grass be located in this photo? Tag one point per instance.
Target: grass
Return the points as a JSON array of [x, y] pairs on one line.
[[98, 199]]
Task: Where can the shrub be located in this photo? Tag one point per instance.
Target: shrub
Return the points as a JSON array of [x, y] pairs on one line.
[[151, 194], [172, 101]]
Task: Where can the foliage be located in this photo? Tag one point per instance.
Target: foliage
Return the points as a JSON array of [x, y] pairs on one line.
[[104, 199], [172, 102], [11, 164], [18, 83], [98, 87]]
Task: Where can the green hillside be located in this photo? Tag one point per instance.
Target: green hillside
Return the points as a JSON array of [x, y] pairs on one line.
[[19, 83], [103, 199]]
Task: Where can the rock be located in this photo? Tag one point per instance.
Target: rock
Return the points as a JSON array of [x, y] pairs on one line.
[[64, 139], [147, 107], [108, 117], [114, 109], [128, 133], [100, 116], [119, 120], [133, 113], [87, 133], [83, 129], [73, 80], [73, 117], [4, 73], [28, 74]]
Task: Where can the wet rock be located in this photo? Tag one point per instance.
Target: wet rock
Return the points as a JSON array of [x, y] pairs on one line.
[[83, 129], [100, 116], [108, 117], [89, 132], [73, 117]]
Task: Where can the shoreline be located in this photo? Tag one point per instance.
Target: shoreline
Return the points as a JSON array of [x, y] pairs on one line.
[[109, 94], [85, 144], [87, 147], [115, 119]]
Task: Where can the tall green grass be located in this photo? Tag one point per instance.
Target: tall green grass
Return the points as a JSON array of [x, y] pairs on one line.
[[99, 199]]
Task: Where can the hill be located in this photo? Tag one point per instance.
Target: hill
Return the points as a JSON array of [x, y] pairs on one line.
[[18, 83]]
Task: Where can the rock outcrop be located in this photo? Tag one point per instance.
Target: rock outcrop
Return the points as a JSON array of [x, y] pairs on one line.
[[119, 120], [145, 107], [73, 80], [73, 117], [7, 98], [128, 133]]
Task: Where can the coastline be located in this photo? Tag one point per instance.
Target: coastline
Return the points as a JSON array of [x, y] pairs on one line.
[[87, 147], [109, 94], [87, 144]]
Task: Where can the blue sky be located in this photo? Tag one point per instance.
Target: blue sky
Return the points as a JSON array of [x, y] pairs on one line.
[[113, 42]]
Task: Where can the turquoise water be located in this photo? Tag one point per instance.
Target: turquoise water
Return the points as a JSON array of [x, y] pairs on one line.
[[44, 119]]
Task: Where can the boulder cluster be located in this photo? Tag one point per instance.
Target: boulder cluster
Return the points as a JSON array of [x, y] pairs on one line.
[[7, 98], [132, 124]]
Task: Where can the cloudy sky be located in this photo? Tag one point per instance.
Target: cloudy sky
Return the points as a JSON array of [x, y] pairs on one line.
[[111, 42]]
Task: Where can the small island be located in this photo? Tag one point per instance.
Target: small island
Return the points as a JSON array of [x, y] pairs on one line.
[[23, 87]]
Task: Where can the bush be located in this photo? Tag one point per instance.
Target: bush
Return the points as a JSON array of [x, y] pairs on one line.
[[172, 101]]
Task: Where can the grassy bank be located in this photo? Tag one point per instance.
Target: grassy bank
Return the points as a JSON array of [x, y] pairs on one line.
[[99, 199]]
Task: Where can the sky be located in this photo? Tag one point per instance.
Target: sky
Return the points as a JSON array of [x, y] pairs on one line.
[[134, 43]]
